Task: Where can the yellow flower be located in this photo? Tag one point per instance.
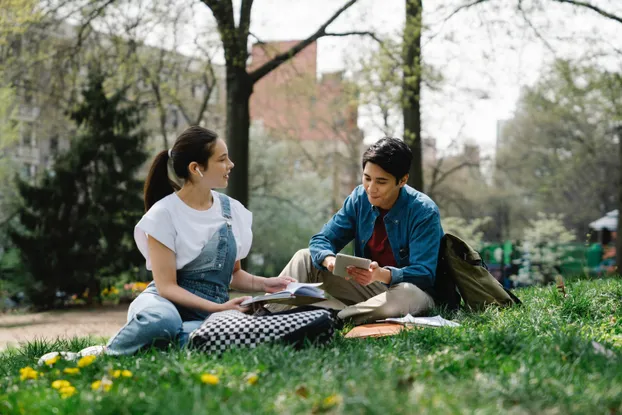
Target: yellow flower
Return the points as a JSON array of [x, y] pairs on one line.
[[114, 290], [60, 383], [139, 286], [331, 401], [86, 360], [115, 373], [67, 391], [53, 360], [252, 378], [209, 379], [104, 385], [126, 374], [105, 291], [28, 373], [71, 371]]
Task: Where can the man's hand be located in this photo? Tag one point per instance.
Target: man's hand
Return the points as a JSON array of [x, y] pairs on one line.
[[367, 276], [329, 263], [273, 285]]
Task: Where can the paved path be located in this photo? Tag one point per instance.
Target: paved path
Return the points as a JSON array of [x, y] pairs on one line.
[[18, 328]]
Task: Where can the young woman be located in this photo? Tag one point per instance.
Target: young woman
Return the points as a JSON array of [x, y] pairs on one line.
[[193, 240]]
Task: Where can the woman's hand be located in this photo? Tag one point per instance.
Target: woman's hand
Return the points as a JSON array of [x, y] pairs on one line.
[[273, 285], [234, 304]]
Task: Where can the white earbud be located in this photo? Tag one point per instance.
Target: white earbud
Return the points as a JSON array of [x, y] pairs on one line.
[[199, 171]]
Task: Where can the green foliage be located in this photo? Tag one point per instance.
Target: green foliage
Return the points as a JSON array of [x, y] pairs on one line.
[[290, 203], [75, 224], [9, 135], [537, 358], [560, 150], [468, 231], [544, 248], [10, 270]]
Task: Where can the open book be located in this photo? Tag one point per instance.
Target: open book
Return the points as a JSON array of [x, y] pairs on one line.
[[408, 320], [296, 293]]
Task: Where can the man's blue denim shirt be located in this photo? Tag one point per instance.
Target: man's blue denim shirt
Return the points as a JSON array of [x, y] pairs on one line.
[[413, 227]]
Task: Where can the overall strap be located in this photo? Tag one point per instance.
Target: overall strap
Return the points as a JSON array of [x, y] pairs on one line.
[[226, 206]]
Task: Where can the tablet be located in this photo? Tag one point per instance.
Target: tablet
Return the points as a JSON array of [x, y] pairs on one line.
[[344, 261]]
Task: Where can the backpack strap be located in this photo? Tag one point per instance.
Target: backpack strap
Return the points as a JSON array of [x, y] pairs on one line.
[[514, 298]]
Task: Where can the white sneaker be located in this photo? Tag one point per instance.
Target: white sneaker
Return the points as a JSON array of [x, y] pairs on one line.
[[87, 351], [92, 351], [51, 355]]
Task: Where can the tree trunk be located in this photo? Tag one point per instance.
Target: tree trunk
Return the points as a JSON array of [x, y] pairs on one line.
[[239, 90], [411, 85], [619, 230]]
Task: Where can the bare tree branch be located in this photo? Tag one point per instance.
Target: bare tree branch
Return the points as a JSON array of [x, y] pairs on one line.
[[94, 14], [251, 34], [283, 57], [210, 83], [593, 8], [355, 33], [275, 62], [463, 7], [535, 30]]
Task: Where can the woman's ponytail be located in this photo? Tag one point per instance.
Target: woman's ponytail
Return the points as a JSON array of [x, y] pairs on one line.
[[169, 169], [157, 185]]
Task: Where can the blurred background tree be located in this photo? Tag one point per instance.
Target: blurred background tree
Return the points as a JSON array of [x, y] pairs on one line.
[[73, 226]]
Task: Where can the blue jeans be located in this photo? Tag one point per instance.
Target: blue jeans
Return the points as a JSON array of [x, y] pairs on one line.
[[152, 320]]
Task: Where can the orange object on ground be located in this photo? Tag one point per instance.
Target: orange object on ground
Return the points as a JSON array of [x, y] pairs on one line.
[[375, 330]]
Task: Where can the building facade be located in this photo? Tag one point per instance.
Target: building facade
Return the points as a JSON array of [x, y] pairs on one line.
[[320, 112]]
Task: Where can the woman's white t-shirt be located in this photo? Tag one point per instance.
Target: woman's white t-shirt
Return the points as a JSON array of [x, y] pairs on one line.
[[185, 230]]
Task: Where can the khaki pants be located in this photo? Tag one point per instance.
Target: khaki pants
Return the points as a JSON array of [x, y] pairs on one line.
[[358, 304]]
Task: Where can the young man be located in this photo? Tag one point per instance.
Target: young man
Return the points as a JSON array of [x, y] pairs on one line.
[[392, 224]]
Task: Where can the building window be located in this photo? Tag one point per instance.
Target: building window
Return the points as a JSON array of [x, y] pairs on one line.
[[28, 135], [174, 118], [28, 96], [213, 98], [26, 171], [54, 144]]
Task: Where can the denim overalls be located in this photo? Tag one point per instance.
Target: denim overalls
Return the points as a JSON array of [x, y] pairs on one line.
[[153, 319]]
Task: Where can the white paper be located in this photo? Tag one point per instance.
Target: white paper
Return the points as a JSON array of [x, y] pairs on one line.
[[436, 321], [293, 286], [308, 289]]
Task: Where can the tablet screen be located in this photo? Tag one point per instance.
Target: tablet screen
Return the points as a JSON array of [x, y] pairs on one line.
[[343, 261]]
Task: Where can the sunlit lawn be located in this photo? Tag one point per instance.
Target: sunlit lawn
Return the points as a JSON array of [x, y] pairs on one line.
[[538, 358]]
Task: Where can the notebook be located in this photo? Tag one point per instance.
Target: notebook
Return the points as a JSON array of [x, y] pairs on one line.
[[296, 293]]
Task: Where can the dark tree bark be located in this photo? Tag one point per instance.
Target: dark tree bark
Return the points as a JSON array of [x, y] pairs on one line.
[[411, 85], [619, 230], [239, 90]]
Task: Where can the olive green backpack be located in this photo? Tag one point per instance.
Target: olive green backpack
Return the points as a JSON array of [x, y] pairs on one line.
[[461, 273]]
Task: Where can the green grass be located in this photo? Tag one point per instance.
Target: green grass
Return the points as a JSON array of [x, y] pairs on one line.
[[537, 358]]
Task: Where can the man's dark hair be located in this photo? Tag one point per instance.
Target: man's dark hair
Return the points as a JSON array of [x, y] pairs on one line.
[[392, 154]]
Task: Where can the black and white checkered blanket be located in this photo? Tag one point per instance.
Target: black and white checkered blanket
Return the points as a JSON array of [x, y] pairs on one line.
[[231, 328]]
